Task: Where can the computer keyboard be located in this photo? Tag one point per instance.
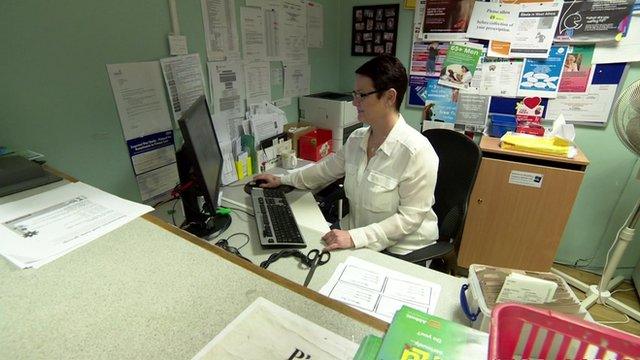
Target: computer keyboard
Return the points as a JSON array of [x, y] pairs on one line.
[[277, 226]]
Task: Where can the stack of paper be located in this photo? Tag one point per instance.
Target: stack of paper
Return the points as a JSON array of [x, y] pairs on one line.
[[266, 331], [44, 227], [379, 291]]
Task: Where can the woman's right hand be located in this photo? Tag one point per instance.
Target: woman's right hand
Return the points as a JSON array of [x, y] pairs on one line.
[[272, 181]]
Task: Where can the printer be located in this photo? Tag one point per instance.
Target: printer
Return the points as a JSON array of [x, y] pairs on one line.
[[333, 111]]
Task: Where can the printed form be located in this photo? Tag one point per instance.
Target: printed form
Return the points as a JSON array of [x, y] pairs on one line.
[[379, 291]]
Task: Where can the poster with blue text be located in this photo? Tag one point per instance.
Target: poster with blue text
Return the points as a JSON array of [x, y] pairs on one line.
[[541, 77]]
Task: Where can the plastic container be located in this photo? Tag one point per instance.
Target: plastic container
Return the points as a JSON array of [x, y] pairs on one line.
[[315, 145], [474, 305], [501, 123], [526, 332]]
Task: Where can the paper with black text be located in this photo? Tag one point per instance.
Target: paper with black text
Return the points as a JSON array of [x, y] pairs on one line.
[[315, 26], [226, 79], [257, 77], [220, 30], [43, 227], [184, 80], [253, 34], [379, 291], [293, 22], [264, 330]]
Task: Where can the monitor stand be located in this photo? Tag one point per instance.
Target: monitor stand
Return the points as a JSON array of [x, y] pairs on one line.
[[199, 222], [206, 227]]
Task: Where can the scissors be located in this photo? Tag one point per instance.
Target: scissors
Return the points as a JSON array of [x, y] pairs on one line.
[[316, 258]]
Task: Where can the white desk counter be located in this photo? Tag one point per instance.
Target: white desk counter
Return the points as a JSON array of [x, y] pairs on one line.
[[145, 290]]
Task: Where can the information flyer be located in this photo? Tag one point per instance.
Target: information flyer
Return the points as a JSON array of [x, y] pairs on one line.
[[460, 65], [427, 58], [541, 77], [446, 20], [441, 102], [534, 30], [593, 21], [492, 21], [577, 69]]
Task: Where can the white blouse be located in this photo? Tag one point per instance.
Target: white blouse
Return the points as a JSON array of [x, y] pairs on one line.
[[391, 197]]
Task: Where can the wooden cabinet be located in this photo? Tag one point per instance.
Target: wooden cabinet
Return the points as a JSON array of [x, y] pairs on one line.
[[519, 207]]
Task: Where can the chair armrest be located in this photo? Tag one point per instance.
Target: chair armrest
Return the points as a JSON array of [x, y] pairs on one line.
[[437, 250]]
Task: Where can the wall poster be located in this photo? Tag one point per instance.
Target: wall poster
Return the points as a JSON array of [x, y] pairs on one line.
[[374, 30]]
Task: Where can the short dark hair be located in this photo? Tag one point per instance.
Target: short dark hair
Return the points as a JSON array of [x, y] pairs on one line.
[[386, 72]]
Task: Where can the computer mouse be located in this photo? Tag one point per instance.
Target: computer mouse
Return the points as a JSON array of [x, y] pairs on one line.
[[256, 183]]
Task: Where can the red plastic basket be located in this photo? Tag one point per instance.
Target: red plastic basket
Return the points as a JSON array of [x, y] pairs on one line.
[[525, 332]]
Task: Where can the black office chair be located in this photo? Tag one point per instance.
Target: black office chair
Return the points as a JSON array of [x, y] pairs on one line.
[[459, 162]]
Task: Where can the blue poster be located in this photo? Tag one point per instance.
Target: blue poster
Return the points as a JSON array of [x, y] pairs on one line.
[[540, 77], [441, 102], [152, 151], [417, 90]]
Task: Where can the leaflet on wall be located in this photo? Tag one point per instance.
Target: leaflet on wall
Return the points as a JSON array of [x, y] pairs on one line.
[[157, 182], [440, 102], [418, 18], [184, 80], [220, 30], [253, 33], [472, 109], [625, 50], [576, 71], [445, 20], [592, 107], [460, 65], [272, 33], [534, 30], [151, 151], [140, 98], [257, 82], [297, 77], [500, 78], [498, 49], [541, 77], [315, 25], [492, 21], [294, 30], [427, 58], [593, 21], [227, 88]]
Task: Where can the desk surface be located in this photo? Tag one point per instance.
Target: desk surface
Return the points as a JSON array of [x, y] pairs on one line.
[[313, 226], [143, 291], [148, 289]]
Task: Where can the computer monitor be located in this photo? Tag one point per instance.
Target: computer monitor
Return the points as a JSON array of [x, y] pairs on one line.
[[200, 162]]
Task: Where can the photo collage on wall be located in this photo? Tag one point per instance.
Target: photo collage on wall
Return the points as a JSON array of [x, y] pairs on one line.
[[374, 30]]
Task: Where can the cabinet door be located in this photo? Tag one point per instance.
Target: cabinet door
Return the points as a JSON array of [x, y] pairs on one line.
[[515, 221]]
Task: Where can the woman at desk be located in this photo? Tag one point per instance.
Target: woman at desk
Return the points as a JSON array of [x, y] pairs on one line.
[[389, 169]]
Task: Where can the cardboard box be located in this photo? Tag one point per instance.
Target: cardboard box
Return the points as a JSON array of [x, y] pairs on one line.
[[296, 130]]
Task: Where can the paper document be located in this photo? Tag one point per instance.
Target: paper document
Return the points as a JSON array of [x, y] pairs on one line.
[[592, 107], [253, 34], [152, 151], [297, 78], [257, 82], [140, 98], [220, 31], [315, 26], [500, 78], [533, 35], [229, 173], [43, 227], [264, 330], [184, 80], [158, 181], [294, 30], [625, 50], [267, 120], [272, 33], [227, 88], [379, 291], [492, 21]]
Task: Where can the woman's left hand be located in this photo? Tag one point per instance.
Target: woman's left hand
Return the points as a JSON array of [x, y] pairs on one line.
[[337, 239]]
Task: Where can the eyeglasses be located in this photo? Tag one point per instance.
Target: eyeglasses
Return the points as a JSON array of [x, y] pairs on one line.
[[359, 96]]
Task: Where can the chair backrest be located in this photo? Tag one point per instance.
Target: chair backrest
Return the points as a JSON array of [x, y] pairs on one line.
[[459, 162]]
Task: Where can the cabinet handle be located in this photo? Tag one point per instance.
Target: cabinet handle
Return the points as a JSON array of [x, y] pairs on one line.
[[480, 201]]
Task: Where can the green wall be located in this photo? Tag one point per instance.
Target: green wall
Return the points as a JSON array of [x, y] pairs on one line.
[[55, 91], [57, 99]]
